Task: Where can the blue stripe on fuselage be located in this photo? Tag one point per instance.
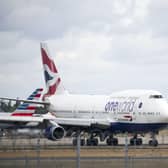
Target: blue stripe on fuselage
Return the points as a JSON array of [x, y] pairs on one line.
[[137, 127]]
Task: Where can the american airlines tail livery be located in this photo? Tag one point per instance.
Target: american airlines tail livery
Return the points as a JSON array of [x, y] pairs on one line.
[[22, 115], [98, 116]]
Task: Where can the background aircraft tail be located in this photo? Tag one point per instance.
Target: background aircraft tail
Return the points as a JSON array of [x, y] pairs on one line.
[[27, 109], [52, 78]]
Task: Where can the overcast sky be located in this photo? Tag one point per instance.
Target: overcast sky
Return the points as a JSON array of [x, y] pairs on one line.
[[99, 46]]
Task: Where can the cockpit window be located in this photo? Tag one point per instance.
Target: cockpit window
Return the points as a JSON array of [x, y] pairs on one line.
[[156, 96]]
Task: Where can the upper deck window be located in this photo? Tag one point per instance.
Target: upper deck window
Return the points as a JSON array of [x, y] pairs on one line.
[[156, 96]]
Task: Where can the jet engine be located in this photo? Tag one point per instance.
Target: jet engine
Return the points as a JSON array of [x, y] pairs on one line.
[[55, 132]]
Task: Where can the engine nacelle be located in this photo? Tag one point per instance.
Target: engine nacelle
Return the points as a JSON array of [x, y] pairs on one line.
[[54, 132]]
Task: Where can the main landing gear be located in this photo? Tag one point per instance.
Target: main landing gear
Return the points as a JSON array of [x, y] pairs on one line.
[[135, 140], [82, 142], [82, 139], [112, 141], [138, 141], [91, 141]]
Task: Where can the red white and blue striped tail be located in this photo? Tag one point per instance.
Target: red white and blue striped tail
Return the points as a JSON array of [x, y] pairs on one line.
[[27, 109], [52, 78]]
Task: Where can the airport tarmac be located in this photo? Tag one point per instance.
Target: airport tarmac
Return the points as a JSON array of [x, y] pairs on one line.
[[68, 151], [91, 157], [24, 152], [84, 163]]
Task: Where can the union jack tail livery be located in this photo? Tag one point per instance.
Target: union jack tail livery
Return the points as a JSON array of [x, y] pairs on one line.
[[52, 78], [27, 109]]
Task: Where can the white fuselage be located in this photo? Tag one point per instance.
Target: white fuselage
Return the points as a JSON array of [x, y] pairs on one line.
[[128, 107]]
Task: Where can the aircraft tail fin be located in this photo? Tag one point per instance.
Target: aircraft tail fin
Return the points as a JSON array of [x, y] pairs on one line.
[[27, 109], [52, 78]]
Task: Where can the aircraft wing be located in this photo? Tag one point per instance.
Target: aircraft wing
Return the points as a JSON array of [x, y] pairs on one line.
[[77, 121], [81, 122], [26, 101], [20, 119]]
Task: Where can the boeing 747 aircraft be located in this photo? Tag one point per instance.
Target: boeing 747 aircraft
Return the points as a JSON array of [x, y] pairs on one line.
[[103, 116]]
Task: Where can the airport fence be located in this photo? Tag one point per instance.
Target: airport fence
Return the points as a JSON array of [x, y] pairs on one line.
[[24, 152]]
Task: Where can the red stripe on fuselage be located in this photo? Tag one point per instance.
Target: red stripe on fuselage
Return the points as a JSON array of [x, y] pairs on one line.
[[22, 114]]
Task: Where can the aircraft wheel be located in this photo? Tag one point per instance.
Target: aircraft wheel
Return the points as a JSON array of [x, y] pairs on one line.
[[139, 141], [153, 142], [82, 142], [112, 141], [74, 142], [95, 141], [92, 142], [135, 141], [132, 141], [115, 141], [108, 141]]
